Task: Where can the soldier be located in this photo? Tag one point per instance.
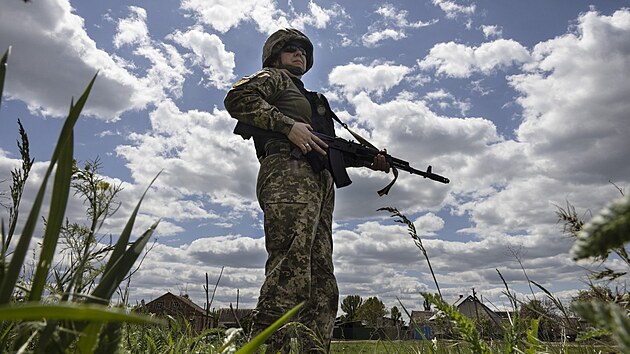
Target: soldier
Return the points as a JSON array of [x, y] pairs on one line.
[[297, 201]]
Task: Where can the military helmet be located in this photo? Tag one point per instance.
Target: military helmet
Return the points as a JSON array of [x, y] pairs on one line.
[[279, 39]]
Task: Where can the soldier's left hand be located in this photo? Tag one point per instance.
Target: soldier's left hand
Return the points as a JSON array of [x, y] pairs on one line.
[[380, 163]]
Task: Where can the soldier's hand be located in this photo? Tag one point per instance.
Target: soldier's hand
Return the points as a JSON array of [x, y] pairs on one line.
[[302, 136], [380, 163]]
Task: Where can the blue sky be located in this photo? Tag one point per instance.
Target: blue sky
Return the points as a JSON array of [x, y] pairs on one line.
[[523, 105]]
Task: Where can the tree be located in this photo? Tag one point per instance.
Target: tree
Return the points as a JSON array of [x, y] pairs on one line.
[[371, 311], [426, 305], [350, 305], [395, 313], [396, 316]]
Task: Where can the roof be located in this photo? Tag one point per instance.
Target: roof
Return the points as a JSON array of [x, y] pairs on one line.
[[463, 300], [185, 299], [421, 315], [226, 315]]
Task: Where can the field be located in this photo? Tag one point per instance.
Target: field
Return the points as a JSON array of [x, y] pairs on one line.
[[378, 347]]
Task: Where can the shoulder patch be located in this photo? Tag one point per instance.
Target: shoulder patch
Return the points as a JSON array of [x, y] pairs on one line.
[[263, 74]]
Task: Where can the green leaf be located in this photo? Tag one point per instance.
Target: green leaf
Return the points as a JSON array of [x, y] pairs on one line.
[[113, 265], [255, 343], [89, 337], [19, 253], [532, 337], [112, 278], [70, 311], [58, 203]]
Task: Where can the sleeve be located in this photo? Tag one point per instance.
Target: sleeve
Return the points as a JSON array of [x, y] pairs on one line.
[[248, 102]]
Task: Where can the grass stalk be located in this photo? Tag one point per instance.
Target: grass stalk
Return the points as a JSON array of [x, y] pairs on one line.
[[411, 228]]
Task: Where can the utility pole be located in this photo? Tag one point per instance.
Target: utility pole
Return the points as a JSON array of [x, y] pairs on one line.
[[475, 302]]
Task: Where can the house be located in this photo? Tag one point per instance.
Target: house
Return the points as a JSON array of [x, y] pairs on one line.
[[474, 309], [180, 307], [387, 329], [419, 324], [489, 322], [234, 318], [421, 317]]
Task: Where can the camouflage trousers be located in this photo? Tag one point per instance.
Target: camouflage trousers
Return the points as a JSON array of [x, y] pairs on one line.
[[298, 206]]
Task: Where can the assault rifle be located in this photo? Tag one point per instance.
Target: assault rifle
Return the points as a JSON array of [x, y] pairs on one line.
[[337, 148]]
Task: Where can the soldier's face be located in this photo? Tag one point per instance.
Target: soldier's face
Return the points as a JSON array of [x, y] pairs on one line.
[[295, 58]]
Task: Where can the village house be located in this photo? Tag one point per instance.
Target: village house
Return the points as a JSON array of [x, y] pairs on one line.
[[419, 324], [234, 318], [471, 307], [180, 307]]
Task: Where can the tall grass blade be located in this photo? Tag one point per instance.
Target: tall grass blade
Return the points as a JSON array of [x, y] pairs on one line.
[[58, 203], [89, 337], [112, 278], [121, 244], [70, 311], [512, 334], [532, 337], [255, 343], [17, 260], [3, 70], [109, 338], [411, 228], [555, 300]]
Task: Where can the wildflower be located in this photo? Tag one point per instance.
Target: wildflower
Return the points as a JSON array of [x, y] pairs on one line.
[[229, 343]]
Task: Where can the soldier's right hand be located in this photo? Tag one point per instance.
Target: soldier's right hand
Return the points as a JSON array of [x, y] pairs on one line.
[[302, 136]]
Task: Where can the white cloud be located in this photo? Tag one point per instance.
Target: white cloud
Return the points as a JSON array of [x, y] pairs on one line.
[[133, 30], [200, 157], [460, 61], [445, 100], [392, 25], [166, 75], [377, 78], [492, 31], [54, 59], [223, 15], [575, 102], [372, 39], [317, 16], [209, 52], [453, 9]]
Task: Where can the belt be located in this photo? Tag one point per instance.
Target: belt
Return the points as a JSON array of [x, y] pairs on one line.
[[312, 157], [273, 149]]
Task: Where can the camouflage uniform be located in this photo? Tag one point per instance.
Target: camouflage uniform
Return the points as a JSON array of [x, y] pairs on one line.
[[297, 202]]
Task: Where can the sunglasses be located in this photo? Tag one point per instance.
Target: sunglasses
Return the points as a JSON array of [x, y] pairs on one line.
[[292, 48]]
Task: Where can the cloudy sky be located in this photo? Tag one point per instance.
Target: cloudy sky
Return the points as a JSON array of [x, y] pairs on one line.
[[523, 105]]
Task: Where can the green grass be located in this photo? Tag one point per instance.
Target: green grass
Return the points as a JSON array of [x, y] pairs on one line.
[[450, 346]]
